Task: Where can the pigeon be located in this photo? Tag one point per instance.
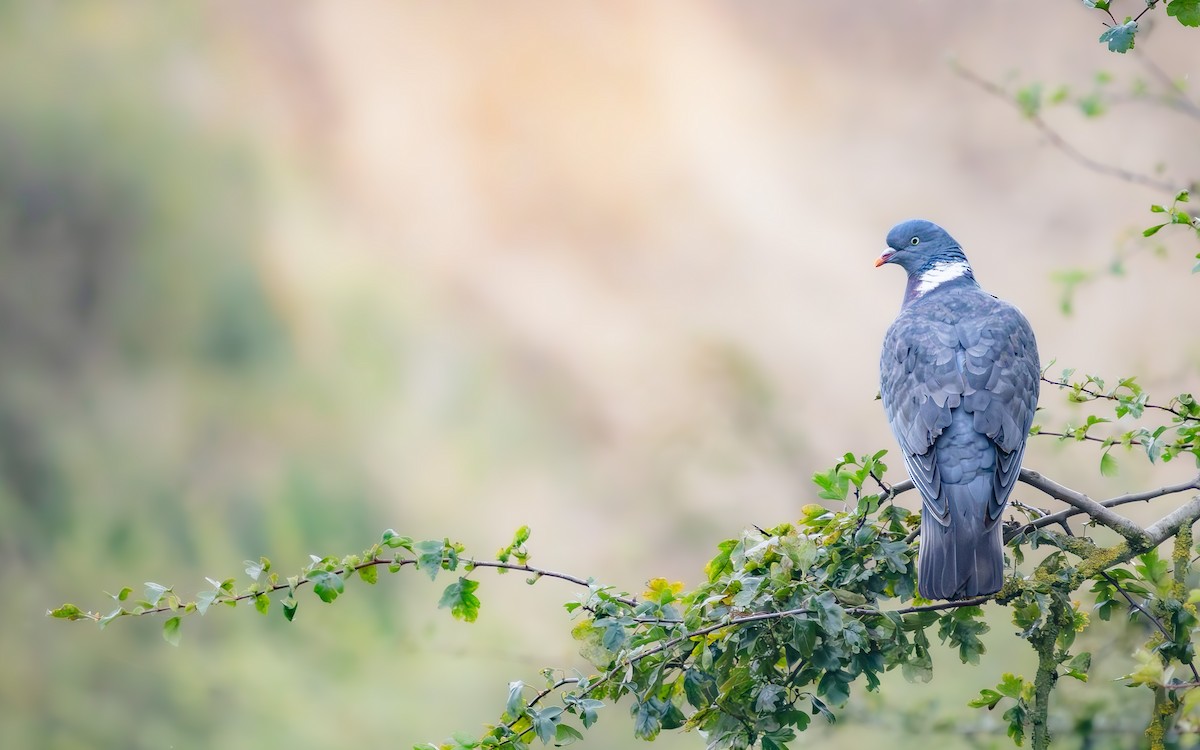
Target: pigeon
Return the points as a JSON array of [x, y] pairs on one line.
[[959, 377]]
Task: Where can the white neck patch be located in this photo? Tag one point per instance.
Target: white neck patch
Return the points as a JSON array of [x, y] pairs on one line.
[[940, 274]]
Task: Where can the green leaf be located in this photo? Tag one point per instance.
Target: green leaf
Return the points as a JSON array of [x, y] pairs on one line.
[[393, 541], [289, 608], [700, 688], [171, 631], [1153, 568], [1092, 105], [204, 600], [1029, 99], [545, 723], [1078, 666], [587, 708], [919, 666], [254, 569], [460, 598], [720, 564], [369, 573], [647, 720], [1011, 685], [804, 638], [327, 585], [118, 612], [1015, 717], [1151, 231], [565, 734], [1187, 12], [831, 614], [987, 699], [521, 536], [614, 635], [262, 603], [1120, 37], [516, 700], [155, 592], [1108, 465], [768, 696], [834, 484], [429, 556], [68, 612], [834, 685]]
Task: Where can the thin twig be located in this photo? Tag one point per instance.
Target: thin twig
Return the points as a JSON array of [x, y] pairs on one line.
[[542, 572], [375, 562], [1071, 436], [1061, 143], [1157, 623], [1112, 397], [1176, 100], [1131, 531]]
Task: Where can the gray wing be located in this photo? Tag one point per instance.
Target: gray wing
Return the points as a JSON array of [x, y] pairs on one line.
[[986, 363]]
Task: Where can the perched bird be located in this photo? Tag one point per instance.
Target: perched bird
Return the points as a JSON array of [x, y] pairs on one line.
[[959, 379]]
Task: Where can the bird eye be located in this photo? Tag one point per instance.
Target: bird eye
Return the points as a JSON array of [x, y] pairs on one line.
[[915, 241]]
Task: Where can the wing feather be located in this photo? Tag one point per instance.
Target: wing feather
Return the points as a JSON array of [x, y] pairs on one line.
[[963, 349]]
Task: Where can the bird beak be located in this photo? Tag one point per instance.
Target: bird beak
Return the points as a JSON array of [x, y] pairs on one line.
[[887, 255]]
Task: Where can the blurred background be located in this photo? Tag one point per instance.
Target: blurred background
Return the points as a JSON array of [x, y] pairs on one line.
[[275, 276]]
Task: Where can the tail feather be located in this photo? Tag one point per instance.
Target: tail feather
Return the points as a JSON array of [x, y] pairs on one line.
[[965, 557]]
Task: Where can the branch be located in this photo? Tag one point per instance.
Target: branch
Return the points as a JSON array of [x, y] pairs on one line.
[[1069, 436], [343, 572], [1061, 143], [957, 603], [1113, 397], [1135, 534], [1157, 623], [1176, 100], [633, 658], [1165, 528], [1170, 524], [541, 572], [1134, 497], [1081, 504], [898, 488]]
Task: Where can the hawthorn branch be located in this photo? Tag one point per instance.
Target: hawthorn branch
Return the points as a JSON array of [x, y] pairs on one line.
[[1155, 621], [1060, 143], [1133, 497], [1128, 529], [1080, 504], [346, 571], [898, 488], [634, 657], [1113, 397], [1175, 99], [1167, 526], [1069, 436], [542, 572], [1156, 534], [1135, 604]]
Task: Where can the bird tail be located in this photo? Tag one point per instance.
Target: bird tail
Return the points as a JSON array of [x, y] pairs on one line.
[[965, 557]]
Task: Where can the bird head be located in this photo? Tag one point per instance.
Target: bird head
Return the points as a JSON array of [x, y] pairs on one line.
[[917, 244]]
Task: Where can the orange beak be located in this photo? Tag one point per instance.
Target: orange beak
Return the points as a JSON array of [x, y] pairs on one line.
[[887, 255]]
